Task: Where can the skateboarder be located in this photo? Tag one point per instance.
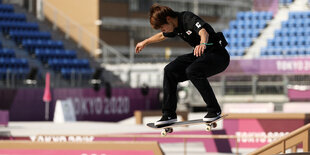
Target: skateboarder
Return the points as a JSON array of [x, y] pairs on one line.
[[209, 57]]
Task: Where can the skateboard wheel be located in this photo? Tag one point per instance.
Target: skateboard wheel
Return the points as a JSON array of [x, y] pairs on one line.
[[169, 130], [208, 128], [163, 133], [214, 125]]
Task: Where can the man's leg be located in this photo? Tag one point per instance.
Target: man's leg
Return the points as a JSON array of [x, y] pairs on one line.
[[174, 72], [205, 66]]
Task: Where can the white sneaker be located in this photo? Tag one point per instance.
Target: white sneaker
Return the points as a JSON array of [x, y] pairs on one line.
[[212, 116], [166, 120]]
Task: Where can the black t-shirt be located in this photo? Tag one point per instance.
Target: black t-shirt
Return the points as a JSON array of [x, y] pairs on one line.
[[188, 28]]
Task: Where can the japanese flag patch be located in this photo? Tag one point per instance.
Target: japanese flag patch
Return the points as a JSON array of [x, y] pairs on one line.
[[188, 32]]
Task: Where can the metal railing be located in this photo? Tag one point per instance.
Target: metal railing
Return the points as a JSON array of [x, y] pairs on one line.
[[290, 141]]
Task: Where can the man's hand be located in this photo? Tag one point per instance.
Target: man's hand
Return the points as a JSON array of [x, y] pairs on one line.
[[199, 49], [140, 46]]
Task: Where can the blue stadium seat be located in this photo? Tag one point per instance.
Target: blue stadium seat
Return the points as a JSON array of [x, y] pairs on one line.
[[15, 26], [301, 41], [6, 8], [13, 63], [240, 15], [285, 24], [266, 15], [68, 72], [58, 64], [292, 52], [32, 45], [277, 52], [264, 52], [301, 51], [300, 32], [285, 33], [307, 51], [19, 73], [18, 36], [299, 15], [17, 17], [278, 33], [271, 42], [244, 29], [6, 26], [285, 2], [7, 53]]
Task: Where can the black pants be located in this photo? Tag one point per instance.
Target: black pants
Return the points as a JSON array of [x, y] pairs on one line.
[[214, 60]]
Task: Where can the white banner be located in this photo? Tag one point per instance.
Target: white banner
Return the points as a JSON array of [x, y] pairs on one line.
[[64, 111]]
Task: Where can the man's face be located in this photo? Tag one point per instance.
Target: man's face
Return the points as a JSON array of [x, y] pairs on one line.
[[166, 28], [169, 27]]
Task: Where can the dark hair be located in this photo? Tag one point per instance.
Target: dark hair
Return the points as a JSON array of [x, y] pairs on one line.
[[158, 14]]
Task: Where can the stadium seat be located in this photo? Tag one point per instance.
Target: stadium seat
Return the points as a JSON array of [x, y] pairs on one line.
[[307, 50], [18, 36], [7, 53], [292, 38], [57, 64], [264, 52], [12, 17], [244, 29], [38, 44], [46, 54], [32, 45], [6, 26], [6, 8], [13, 63], [285, 2], [68, 72]]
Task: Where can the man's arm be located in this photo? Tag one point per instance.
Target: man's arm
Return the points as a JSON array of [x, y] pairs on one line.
[[153, 39], [204, 38]]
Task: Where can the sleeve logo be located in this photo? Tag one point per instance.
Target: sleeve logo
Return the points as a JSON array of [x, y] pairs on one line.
[[198, 25]]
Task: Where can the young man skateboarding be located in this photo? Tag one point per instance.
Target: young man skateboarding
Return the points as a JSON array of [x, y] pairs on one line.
[[209, 57]]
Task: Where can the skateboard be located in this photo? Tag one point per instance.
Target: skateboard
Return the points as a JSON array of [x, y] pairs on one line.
[[168, 128]]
